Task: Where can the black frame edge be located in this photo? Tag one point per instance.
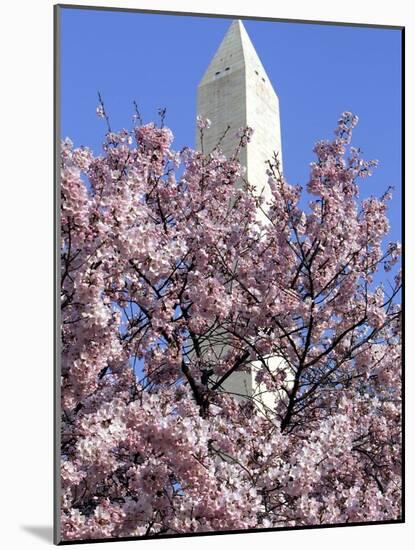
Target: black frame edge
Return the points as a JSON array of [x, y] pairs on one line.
[[227, 16]]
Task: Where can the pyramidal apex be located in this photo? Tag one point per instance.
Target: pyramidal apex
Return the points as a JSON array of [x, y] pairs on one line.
[[236, 51]]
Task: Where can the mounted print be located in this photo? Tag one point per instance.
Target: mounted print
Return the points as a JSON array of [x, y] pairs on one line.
[[228, 218]]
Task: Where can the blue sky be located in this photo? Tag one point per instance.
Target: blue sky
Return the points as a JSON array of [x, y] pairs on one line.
[[318, 71]]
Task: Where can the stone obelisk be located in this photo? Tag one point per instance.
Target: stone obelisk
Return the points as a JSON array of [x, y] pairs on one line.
[[235, 91]]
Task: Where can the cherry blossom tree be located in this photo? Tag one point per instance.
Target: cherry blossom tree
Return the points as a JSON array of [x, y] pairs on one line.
[[171, 282]]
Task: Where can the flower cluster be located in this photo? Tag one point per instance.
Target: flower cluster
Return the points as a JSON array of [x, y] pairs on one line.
[[170, 286], [202, 123]]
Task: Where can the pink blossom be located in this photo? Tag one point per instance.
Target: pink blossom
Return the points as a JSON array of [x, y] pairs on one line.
[[170, 284]]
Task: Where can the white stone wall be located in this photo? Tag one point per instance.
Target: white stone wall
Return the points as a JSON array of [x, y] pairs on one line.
[[243, 385]]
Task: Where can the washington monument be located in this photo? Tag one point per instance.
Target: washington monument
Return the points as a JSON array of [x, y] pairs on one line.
[[235, 91]]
